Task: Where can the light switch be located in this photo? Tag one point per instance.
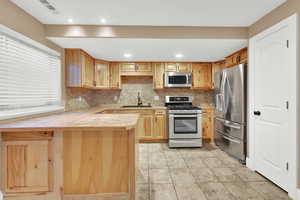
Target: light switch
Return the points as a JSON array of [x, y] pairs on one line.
[[156, 98]]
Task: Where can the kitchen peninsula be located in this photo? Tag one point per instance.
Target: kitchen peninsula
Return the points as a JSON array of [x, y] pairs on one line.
[[73, 155]]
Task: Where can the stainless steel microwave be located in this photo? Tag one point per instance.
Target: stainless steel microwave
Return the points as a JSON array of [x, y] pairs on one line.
[[178, 79]]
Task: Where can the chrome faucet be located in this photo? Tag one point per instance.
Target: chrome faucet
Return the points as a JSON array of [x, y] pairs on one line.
[[139, 100]]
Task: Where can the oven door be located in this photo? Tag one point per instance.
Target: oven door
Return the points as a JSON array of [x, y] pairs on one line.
[[178, 79], [184, 126]]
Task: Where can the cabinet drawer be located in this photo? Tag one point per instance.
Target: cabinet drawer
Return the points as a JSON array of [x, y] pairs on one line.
[[27, 135], [160, 112]]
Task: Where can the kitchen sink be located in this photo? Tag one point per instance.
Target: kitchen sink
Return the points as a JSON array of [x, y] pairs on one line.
[[137, 106]]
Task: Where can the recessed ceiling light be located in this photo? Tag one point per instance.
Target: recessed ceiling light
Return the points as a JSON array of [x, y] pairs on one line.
[[70, 20], [179, 55], [103, 20], [127, 55]]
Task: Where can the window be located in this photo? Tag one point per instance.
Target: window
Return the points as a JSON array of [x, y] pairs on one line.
[[30, 79]]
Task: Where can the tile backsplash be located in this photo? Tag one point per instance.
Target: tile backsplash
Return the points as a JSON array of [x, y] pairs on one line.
[[83, 98]]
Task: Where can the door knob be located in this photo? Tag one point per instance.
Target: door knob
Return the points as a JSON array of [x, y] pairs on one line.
[[258, 113]]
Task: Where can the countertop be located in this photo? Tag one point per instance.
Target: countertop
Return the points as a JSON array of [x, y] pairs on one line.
[[84, 119]]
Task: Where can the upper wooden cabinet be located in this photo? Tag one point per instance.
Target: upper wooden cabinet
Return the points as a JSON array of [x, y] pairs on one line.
[[27, 163], [178, 67], [217, 67], [202, 76], [158, 75], [237, 58], [102, 74], [136, 69], [80, 68], [115, 79]]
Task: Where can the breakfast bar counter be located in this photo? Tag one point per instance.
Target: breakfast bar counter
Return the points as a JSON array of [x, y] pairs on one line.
[[69, 156]]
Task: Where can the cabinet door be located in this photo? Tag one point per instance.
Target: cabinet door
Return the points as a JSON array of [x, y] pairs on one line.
[[217, 67], [128, 67], [115, 80], [143, 67], [73, 67], [205, 126], [27, 164], [171, 67], [160, 131], [101, 74], [184, 67], [202, 76], [158, 79], [244, 56], [147, 125], [88, 70]]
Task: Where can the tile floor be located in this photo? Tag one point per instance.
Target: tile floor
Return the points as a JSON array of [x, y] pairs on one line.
[[198, 174]]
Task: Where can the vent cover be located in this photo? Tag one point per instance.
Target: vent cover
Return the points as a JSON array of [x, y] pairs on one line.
[[49, 6]]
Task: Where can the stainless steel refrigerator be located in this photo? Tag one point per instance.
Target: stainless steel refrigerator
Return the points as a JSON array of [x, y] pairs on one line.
[[230, 114]]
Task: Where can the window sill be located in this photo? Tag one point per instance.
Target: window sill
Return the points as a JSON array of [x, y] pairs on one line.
[[12, 114]]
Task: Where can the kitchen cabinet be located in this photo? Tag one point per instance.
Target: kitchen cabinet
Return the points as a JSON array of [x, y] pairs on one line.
[[208, 123], [147, 126], [27, 161], [153, 123], [236, 58], [244, 56], [136, 69], [160, 121], [202, 76], [158, 75], [178, 67], [115, 79], [217, 67], [184, 67], [102, 73], [80, 68], [128, 67]]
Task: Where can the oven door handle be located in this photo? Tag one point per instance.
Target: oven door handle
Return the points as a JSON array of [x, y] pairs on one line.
[[187, 116]]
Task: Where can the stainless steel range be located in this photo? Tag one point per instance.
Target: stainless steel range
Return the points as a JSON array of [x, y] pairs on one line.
[[185, 122]]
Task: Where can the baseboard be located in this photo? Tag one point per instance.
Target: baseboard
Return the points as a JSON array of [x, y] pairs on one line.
[[153, 140], [298, 194], [249, 163]]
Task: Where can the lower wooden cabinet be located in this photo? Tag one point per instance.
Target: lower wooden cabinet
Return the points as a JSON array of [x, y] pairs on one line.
[[28, 165], [147, 126], [208, 123], [160, 125], [153, 123]]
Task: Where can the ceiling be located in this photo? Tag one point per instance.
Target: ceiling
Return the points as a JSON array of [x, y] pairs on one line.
[[113, 49], [153, 12]]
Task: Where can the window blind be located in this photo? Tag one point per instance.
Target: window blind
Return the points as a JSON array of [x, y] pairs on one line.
[[29, 77]]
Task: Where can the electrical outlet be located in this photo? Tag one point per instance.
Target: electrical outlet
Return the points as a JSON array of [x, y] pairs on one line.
[[116, 98], [156, 98]]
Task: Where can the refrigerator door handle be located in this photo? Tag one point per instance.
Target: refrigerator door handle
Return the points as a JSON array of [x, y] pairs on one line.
[[231, 140], [227, 124]]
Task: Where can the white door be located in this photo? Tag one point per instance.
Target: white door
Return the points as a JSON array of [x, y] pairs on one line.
[[272, 97]]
